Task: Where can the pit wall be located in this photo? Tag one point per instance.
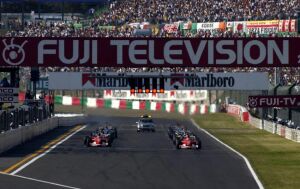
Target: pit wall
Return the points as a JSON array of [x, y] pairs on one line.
[[12, 138], [271, 127], [182, 107]]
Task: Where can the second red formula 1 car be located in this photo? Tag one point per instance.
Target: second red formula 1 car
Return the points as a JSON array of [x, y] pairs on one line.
[[183, 138]]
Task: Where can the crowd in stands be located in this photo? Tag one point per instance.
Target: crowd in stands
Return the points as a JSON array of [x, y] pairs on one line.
[[168, 11], [121, 13]]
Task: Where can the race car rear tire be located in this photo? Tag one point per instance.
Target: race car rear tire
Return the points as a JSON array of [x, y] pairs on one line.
[[174, 139], [87, 141], [199, 145], [116, 133]]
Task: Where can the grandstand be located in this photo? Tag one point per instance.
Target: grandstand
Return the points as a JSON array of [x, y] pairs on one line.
[[218, 75]]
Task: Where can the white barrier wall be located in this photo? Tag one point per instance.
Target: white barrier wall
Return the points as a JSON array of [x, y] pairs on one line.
[[283, 131], [268, 126], [12, 138]]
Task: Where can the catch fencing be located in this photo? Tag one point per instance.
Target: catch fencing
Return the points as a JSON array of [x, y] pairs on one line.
[[22, 116]]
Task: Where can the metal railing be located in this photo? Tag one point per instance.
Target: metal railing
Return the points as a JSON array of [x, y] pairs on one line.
[[22, 116]]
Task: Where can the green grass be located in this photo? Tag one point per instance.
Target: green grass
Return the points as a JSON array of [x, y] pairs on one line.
[[275, 160]]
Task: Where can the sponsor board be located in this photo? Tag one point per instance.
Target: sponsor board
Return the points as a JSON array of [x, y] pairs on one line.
[[9, 95], [211, 26], [288, 101], [220, 81], [172, 81], [263, 26], [103, 80], [185, 95], [287, 25], [150, 52]]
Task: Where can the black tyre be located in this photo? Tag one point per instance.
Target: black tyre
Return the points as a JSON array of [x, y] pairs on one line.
[[116, 133], [87, 141], [199, 145], [177, 144], [174, 139]]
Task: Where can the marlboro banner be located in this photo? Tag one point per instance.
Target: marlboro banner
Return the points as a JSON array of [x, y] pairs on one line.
[[149, 52], [172, 81]]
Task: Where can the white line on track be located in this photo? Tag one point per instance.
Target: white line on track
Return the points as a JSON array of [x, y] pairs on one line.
[[238, 153], [46, 152], [41, 181]]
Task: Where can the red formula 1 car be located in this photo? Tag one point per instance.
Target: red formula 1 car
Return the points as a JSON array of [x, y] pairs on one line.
[[188, 141], [183, 138], [101, 137]]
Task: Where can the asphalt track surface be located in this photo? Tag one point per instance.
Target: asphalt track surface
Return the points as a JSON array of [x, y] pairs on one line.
[[135, 160]]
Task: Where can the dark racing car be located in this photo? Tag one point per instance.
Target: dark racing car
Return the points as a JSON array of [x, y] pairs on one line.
[[103, 136], [183, 138]]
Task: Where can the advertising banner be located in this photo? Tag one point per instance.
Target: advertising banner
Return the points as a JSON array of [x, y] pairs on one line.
[[263, 26], [220, 81], [9, 95], [149, 52], [211, 26], [288, 101], [184, 96], [287, 26], [172, 81]]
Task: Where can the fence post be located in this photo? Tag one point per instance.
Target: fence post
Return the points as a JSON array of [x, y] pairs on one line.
[[290, 92], [275, 94], [2, 123]]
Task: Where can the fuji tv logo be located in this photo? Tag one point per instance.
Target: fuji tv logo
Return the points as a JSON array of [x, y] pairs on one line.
[[13, 54]]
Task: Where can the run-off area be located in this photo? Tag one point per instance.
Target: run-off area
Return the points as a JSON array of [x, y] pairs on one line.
[[135, 160]]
